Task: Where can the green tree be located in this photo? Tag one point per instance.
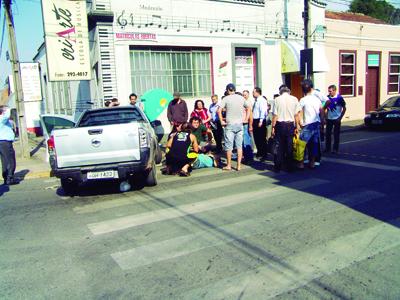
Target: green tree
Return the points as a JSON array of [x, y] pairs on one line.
[[379, 9]]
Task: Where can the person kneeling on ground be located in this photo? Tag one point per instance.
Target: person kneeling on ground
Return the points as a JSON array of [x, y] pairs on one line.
[[178, 146], [202, 133]]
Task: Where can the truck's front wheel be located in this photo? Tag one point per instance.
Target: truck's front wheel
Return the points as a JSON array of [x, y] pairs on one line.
[[69, 186], [151, 178]]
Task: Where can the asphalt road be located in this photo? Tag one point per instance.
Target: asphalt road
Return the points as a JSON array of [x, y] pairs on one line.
[[329, 233]]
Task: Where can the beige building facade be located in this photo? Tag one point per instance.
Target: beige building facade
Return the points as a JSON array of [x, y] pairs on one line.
[[364, 58]]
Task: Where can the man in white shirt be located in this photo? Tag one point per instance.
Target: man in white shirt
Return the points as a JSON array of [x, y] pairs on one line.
[[260, 114], [285, 120], [312, 117]]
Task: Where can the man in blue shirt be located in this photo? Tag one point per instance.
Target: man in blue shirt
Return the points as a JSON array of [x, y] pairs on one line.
[[260, 115], [336, 108], [7, 152]]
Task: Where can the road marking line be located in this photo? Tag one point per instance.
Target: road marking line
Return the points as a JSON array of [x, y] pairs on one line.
[[187, 244], [139, 196], [363, 140], [197, 207], [196, 174], [276, 278], [362, 164]]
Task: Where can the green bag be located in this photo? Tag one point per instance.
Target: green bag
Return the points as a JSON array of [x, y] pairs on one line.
[[299, 146]]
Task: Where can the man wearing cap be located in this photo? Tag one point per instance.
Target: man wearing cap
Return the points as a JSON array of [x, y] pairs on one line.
[[235, 105], [177, 110], [7, 152]]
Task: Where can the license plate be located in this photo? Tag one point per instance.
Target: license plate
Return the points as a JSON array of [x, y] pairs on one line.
[[377, 122], [102, 175]]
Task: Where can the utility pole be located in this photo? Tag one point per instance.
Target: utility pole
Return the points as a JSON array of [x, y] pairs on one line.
[[23, 135], [306, 18], [285, 19]]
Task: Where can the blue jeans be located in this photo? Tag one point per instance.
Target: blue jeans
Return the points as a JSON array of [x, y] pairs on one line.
[[247, 143], [310, 134]]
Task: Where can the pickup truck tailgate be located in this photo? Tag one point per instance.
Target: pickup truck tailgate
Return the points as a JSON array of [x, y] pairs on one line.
[[86, 146]]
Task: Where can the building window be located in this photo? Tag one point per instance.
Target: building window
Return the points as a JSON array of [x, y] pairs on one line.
[[187, 71], [394, 73], [347, 80]]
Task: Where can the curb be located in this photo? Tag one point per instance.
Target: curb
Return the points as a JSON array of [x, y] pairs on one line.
[[353, 128], [38, 174]]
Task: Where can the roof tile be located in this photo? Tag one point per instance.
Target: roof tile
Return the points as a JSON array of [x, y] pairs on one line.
[[355, 17]]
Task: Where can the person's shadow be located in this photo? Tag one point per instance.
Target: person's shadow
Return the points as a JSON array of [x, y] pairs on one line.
[[4, 189]]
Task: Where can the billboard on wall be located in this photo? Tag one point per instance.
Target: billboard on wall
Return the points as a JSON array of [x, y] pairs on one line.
[[30, 78], [66, 37]]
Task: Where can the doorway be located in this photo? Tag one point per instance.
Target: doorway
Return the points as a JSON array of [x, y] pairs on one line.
[[293, 81], [245, 68], [372, 81]]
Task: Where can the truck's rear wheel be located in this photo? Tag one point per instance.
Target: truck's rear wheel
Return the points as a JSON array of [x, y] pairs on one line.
[[158, 156], [69, 186], [151, 178]]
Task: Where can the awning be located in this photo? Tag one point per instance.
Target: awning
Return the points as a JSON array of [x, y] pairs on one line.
[[290, 57]]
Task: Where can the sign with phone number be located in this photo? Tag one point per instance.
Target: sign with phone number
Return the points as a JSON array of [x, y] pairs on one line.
[[67, 40]]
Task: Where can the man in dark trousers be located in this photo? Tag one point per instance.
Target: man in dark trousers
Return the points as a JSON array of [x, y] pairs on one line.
[[336, 108], [7, 152], [177, 110], [285, 121], [260, 115]]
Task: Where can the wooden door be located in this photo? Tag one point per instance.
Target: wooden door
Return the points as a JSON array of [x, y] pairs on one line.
[[295, 85], [372, 89]]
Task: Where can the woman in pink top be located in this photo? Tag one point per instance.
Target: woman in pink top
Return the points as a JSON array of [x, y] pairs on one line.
[[201, 112]]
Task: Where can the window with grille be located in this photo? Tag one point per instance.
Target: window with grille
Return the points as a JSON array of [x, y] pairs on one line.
[[347, 80], [394, 73], [187, 71]]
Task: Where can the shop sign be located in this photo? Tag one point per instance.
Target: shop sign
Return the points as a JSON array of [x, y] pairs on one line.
[[135, 36], [66, 37], [30, 81]]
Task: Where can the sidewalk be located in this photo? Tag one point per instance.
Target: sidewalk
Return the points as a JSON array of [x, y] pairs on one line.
[[37, 167]]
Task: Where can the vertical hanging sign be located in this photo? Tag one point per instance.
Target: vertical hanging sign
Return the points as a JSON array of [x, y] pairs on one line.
[[66, 37]]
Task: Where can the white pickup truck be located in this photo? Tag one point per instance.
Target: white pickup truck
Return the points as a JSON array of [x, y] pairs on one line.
[[109, 143]]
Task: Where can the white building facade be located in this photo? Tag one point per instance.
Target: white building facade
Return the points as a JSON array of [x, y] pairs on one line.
[[198, 47]]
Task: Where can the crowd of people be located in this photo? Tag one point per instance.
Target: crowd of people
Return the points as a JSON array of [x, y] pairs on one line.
[[240, 123], [247, 126]]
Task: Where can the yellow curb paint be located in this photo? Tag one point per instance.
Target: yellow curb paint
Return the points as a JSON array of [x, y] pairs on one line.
[[35, 175]]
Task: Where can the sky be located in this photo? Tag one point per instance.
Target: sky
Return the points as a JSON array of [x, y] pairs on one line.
[[29, 32]]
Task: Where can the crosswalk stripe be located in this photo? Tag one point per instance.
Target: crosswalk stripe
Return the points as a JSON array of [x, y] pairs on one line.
[[198, 207], [298, 270], [184, 245], [362, 164], [196, 174], [139, 196]]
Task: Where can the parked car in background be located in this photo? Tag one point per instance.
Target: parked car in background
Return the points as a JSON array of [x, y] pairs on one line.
[[116, 143], [387, 115]]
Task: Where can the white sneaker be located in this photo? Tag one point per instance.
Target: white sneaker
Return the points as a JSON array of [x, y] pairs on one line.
[[317, 163], [306, 161]]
